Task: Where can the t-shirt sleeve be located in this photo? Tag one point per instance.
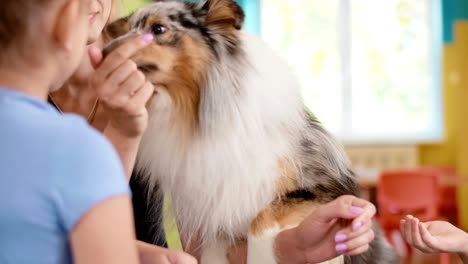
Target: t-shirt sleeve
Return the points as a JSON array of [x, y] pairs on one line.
[[88, 172]]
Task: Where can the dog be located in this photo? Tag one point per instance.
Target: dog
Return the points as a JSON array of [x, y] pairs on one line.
[[229, 136]]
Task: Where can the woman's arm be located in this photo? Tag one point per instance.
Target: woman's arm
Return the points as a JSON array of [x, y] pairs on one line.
[[126, 147], [123, 91], [105, 234]]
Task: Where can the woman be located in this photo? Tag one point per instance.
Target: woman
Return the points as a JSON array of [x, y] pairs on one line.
[[107, 94]]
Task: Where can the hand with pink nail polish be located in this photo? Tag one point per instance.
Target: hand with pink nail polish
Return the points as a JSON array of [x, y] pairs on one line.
[[121, 88], [343, 226], [123, 92]]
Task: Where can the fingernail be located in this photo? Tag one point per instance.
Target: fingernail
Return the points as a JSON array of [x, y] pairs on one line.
[[148, 38], [356, 210], [340, 238], [341, 248], [357, 226]]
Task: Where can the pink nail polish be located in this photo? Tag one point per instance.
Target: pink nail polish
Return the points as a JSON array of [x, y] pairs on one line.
[[356, 210], [340, 238], [341, 248], [357, 226], [147, 38]]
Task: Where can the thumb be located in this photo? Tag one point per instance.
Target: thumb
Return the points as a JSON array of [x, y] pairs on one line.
[[95, 55], [340, 208]]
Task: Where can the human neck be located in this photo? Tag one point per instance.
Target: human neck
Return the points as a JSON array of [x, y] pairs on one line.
[[33, 83], [77, 95]]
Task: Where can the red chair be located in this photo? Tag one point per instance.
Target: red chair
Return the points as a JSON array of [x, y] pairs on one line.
[[448, 198], [404, 192]]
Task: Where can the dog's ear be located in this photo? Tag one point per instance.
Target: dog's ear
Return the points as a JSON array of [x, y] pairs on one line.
[[116, 29], [223, 14]]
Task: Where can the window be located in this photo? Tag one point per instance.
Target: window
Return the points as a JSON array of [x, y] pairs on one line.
[[370, 70]]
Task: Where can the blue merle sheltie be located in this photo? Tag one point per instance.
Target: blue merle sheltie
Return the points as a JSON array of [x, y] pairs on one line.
[[229, 136]]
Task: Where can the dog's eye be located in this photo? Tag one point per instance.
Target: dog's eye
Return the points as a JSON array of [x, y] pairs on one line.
[[158, 29]]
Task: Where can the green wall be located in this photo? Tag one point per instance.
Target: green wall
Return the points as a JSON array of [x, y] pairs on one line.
[[251, 8]]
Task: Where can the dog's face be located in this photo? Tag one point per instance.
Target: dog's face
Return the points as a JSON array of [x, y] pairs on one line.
[[188, 37]]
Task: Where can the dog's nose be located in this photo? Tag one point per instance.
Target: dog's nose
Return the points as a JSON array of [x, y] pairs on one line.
[[115, 43]]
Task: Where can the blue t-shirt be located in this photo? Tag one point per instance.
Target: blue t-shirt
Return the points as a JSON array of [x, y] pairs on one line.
[[53, 169]]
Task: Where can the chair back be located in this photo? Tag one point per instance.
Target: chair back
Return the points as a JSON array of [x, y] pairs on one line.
[[404, 192]]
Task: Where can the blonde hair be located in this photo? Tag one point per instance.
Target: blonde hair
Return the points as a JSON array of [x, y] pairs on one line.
[[116, 10]]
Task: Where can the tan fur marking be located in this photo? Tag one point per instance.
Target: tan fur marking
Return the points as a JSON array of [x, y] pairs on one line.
[[221, 12], [264, 220], [282, 214], [115, 30], [187, 81], [152, 20], [222, 15], [181, 73], [288, 181]]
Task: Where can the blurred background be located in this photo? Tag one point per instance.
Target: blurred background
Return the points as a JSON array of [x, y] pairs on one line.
[[389, 78]]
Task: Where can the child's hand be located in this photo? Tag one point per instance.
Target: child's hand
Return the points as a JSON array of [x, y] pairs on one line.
[[434, 237], [122, 88], [150, 254]]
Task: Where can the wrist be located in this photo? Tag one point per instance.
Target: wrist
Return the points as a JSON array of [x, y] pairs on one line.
[[464, 251], [287, 247], [126, 129]]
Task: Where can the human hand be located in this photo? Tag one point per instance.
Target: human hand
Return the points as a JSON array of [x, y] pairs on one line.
[[343, 226], [150, 254], [434, 237], [122, 89]]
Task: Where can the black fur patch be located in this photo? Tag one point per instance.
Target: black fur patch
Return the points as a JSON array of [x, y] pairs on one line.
[[147, 68], [300, 194], [185, 21], [142, 22], [329, 181]]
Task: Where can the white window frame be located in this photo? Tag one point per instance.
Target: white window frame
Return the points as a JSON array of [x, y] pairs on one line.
[[344, 30]]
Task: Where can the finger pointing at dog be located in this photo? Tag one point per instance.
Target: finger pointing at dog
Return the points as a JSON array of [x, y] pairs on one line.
[[121, 87]]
